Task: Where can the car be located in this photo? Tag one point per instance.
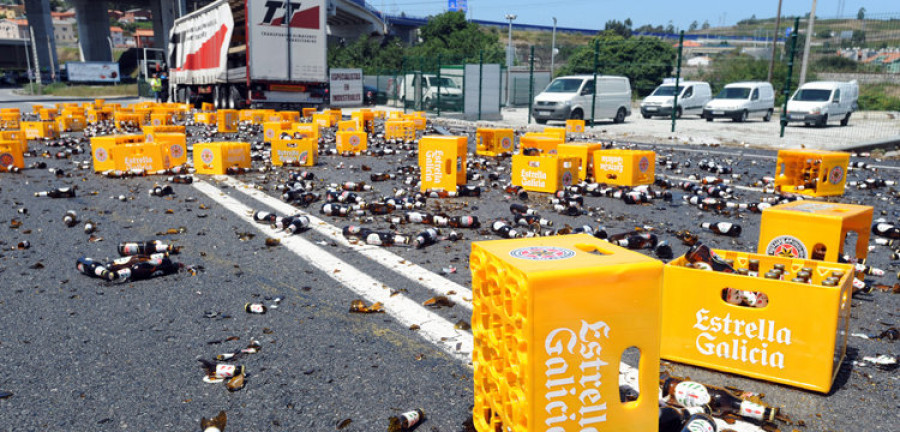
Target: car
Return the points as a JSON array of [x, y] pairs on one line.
[[573, 97], [742, 100], [373, 96], [692, 95], [817, 102]]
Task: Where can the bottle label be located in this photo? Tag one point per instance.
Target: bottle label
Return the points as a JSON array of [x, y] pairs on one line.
[[883, 227], [225, 371], [700, 425], [724, 226], [752, 410], [124, 273], [691, 394], [412, 418], [130, 248], [256, 308], [99, 271]]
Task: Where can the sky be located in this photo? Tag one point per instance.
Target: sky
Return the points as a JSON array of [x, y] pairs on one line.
[[593, 14]]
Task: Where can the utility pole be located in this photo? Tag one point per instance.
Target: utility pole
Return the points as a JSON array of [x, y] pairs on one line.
[[553, 49], [509, 60], [809, 36], [774, 43]]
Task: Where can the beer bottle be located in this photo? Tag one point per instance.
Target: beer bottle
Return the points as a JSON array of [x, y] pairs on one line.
[[128, 261], [418, 217], [255, 308], [264, 217], [638, 241], [663, 250], [502, 228], [379, 208], [90, 267], [145, 248], [469, 191], [216, 372], [886, 230], [516, 208], [703, 257], [720, 400], [700, 423], [64, 192], [426, 238], [464, 222], [356, 187], [181, 178], [723, 228], [297, 223], [753, 268], [147, 270], [527, 220], [161, 191], [379, 177], [385, 238], [405, 422], [672, 419], [687, 238], [70, 218], [90, 227]]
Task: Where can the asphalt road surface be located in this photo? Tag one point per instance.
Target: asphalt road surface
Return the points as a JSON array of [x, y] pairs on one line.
[[83, 354]]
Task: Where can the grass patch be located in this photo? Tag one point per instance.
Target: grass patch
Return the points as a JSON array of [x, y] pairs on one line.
[[61, 89], [879, 97]]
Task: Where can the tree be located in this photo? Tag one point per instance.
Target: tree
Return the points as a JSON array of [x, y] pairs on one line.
[[858, 38], [628, 22], [705, 25], [823, 34], [618, 28], [644, 60], [457, 40], [693, 26], [861, 15]]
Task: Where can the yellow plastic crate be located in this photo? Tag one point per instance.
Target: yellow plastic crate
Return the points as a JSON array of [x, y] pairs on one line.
[[49, 114], [11, 154], [574, 126], [584, 152], [547, 144], [9, 120], [544, 173], [70, 124], [349, 126], [160, 119], [335, 114], [797, 229], [175, 145], [366, 118], [404, 130], [494, 142], [15, 135], [418, 119], [812, 172], [322, 119], [798, 339], [207, 106], [301, 151], [551, 319], [102, 149], [272, 130], [147, 156], [442, 160], [205, 118], [396, 115], [351, 142], [216, 157], [151, 131], [123, 118], [308, 112], [289, 116], [39, 129], [625, 167], [307, 130], [558, 132]]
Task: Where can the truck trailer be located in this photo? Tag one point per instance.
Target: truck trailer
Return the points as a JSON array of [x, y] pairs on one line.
[[251, 53]]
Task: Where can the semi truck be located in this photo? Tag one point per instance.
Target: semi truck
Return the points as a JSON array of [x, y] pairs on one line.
[[251, 53]]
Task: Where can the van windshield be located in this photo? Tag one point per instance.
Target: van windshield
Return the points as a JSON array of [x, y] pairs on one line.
[[668, 90], [734, 93], [812, 95], [442, 82], [564, 85]]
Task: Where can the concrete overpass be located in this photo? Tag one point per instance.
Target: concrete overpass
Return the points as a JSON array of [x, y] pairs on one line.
[[347, 19]]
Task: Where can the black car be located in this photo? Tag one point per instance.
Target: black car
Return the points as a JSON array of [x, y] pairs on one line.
[[373, 96]]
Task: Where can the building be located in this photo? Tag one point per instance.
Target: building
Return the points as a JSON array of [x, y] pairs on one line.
[[117, 35], [143, 38], [135, 15], [115, 15], [65, 31], [62, 15], [14, 29], [699, 61]]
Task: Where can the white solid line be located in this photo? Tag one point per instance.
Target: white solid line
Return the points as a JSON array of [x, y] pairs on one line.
[[415, 273], [432, 327]]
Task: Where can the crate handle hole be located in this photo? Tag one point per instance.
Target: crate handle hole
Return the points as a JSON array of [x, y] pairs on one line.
[[630, 393], [589, 248], [745, 298]]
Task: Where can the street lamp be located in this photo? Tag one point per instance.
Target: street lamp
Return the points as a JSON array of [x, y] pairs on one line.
[[553, 49], [509, 60]]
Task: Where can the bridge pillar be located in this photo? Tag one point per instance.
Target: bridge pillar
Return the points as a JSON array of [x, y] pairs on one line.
[[164, 13], [93, 29], [38, 14]]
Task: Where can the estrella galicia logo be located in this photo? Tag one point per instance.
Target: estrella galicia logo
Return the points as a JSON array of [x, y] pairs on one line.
[[836, 175], [787, 246], [542, 253], [277, 15]]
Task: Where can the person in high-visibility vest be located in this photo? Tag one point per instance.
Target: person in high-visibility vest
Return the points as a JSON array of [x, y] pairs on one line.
[[156, 87]]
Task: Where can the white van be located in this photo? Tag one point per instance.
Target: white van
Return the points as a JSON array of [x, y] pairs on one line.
[[573, 97], [818, 102], [742, 100], [692, 96], [451, 93]]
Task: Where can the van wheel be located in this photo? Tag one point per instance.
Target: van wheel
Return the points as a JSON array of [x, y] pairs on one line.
[[540, 121], [742, 117], [846, 120], [823, 121], [678, 113], [709, 119], [620, 116], [646, 116], [576, 114], [768, 116]]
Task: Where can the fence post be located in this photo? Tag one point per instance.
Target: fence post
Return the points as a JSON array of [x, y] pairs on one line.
[[438, 85], [403, 77], [596, 65], [531, 84], [787, 81], [677, 79], [480, 80]]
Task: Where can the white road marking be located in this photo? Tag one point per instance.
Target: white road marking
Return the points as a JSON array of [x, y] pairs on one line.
[[432, 327], [441, 285]]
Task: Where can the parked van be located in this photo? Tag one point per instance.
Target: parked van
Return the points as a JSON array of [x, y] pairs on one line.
[[451, 93], [692, 96], [573, 97], [818, 102], [742, 100]]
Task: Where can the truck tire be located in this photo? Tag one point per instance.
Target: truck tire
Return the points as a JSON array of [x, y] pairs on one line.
[[234, 97], [846, 120], [179, 94], [217, 97]]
